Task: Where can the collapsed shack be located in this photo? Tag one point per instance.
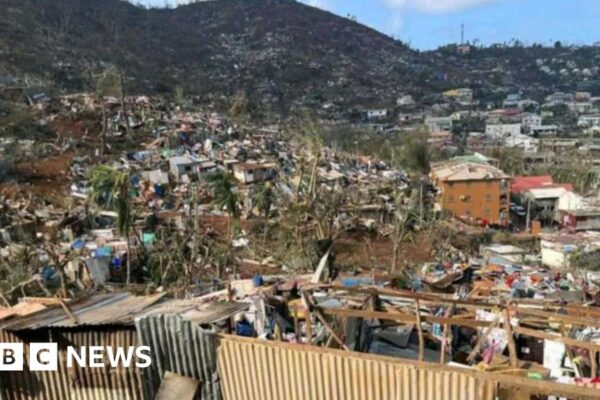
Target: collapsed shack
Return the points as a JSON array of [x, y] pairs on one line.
[[307, 340], [545, 340], [99, 320]]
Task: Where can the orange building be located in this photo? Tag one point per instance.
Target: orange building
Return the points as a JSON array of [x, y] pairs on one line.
[[476, 193]]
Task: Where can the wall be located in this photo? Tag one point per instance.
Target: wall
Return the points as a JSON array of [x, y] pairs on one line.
[[260, 370], [73, 383], [182, 347], [483, 202]]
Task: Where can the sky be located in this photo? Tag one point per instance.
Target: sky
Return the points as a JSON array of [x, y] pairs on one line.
[[428, 24]]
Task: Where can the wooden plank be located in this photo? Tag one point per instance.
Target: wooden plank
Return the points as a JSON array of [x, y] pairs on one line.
[[512, 348], [483, 337], [446, 336], [405, 318], [557, 338], [420, 331], [330, 330], [554, 317]]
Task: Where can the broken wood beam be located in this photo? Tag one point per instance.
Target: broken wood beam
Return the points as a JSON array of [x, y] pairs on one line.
[[512, 348], [420, 331], [483, 337], [330, 330]]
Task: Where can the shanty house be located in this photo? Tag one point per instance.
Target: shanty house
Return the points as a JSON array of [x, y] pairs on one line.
[[101, 320], [191, 166], [477, 193], [583, 219], [252, 173]]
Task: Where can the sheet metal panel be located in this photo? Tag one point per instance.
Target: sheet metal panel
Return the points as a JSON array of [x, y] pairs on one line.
[[103, 309], [257, 370], [56, 315], [73, 383], [181, 347]]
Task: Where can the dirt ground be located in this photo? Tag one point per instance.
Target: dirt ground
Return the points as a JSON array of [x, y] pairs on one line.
[[362, 249], [46, 178], [54, 168], [65, 127]]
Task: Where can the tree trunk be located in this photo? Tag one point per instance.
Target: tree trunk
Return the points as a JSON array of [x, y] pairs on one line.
[[127, 236], [104, 128]]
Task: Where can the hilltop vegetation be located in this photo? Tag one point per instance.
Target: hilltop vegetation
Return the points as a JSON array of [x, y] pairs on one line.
[[282, 54]]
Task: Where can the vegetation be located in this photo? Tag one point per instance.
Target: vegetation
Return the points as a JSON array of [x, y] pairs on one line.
[[112, 188], [225, 196]]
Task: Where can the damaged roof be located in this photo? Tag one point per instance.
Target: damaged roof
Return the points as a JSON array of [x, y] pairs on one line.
[[467, 172], [96, 310]]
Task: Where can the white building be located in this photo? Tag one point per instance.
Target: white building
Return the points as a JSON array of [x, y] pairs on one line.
[[526, 143], [377, 114], [499, 131], [589, 121], [570, 201], [406, 100], [557, 251], [254, 172], [436, 124], [531, 120], [544, 130]]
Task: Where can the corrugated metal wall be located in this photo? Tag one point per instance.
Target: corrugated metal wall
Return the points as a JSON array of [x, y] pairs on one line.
[[256, 370], [182, 347], [73, 383]]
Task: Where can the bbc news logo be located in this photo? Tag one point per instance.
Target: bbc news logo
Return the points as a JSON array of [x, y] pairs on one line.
[[45, 356]]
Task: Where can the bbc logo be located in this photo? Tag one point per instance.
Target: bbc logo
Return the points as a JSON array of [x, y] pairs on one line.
[[42, 357]]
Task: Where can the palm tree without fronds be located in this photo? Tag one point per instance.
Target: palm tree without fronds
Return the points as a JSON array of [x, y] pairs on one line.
[[112, 188]]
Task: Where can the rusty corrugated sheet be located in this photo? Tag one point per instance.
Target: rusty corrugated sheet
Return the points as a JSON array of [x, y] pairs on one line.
[[73, 383], [259, 370], [52, 315], [104, 383], [181, 347], [102, 309]]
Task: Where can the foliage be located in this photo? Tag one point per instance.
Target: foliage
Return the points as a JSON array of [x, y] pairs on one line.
[[264, 199], [585, 261], [112, 188], [224, 191]]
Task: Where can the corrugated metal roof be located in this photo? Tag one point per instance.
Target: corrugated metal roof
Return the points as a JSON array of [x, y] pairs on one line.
[[21, 309], [214, 312], [199, 310], [101, 309]]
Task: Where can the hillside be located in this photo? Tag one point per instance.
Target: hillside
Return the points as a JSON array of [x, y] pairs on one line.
[[279, 51]]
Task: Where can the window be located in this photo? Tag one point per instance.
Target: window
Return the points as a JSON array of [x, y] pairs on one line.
[[488, 197], [488, 212], [450, 199]]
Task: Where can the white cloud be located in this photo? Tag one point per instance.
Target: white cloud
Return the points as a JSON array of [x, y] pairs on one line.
[[436, 6], [322, 4]]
